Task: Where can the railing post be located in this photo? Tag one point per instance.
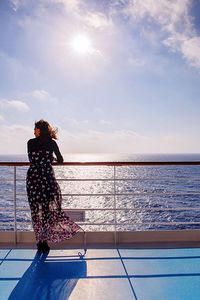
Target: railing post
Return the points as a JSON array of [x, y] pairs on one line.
[[15, 205], [115, 213]]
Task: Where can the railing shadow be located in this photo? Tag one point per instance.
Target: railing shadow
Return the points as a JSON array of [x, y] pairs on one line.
[[46, 280]]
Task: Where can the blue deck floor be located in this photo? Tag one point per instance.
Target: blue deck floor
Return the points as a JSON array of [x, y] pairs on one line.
[[142, 274]]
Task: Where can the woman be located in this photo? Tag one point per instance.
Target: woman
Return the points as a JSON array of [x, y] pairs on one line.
[[50, 223]]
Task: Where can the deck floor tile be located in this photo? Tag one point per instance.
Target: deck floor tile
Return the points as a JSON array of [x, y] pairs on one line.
[[167, 288], [103, 274], [6, 288], [3, 253], [102, 289]]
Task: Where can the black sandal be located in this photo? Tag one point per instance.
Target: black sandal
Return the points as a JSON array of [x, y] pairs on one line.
[[43, 246], [40, 246]]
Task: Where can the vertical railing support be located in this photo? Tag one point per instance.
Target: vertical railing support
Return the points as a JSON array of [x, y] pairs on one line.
[[115, 213], [15, 204]]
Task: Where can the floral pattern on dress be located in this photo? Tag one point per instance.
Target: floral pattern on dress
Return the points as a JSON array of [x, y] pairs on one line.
[[50, 222]]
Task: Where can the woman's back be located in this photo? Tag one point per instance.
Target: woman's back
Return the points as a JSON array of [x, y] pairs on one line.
[[41, 151]]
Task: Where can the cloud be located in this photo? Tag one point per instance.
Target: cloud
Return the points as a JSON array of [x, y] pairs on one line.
[[71, 18], [16, 4], [79, 10], [191, 50], [42, 95], [174, 22], [98, 20], [70, 5], [105, 122], [14, 138], [1, 118], [15, 104], [165, 12], [81, 125], [135, 61], [85, 12], [72, 122], [116, 141], [125, 141], [170, 21]]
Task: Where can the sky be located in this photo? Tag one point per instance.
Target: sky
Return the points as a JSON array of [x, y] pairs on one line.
[[118, 76]]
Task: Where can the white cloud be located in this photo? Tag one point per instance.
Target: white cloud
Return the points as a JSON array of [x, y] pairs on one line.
[[116, 141], [191, 50], [174, 22], [188, 46], [15, 104], [135, 61], [166, 12], [85, 14], [42, 95], [175, 28], [125, 141], [14, 138], [105, 122], [70, 5], [1, 118], [98, 20], [75, 19], [72, 122], [16, 4]]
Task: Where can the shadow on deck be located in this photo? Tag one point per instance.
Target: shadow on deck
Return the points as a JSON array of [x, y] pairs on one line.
[[141, 274]]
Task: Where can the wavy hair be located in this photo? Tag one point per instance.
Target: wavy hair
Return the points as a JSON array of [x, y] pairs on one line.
[[46, 130]]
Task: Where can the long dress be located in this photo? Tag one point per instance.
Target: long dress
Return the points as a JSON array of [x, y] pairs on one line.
[[50, 222]]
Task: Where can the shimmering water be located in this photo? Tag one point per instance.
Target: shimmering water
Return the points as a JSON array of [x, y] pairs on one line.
[[147, 193]]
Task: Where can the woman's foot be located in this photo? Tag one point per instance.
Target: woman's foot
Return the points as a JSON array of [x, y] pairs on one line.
[[40, 246], [43, 246]]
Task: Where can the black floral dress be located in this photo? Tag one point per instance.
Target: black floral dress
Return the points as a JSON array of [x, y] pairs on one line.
[[50, 222]]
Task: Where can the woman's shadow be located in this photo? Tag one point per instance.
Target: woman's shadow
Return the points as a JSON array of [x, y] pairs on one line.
[[49, 278]]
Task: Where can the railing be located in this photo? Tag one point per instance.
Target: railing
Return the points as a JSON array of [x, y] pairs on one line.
[[130, 212]]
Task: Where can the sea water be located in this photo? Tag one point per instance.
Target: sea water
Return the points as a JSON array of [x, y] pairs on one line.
[[146, 197]]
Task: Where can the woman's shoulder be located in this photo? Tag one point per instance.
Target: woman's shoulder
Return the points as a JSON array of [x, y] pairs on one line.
[[52, 142], [33, 141]]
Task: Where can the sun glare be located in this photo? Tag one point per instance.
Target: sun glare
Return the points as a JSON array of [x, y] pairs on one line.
[[81, 44]]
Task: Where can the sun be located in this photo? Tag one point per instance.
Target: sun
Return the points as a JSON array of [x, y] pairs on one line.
[[82, 44]]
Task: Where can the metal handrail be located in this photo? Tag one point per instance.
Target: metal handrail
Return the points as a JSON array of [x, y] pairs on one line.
[[108, 163], [118, 209], [114, 179], [127, 194]]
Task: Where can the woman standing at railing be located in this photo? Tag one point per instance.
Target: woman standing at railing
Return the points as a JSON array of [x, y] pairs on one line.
[[50, 223]]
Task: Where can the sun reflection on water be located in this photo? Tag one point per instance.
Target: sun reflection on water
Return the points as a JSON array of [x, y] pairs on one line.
[[89, 157], [138, 189]]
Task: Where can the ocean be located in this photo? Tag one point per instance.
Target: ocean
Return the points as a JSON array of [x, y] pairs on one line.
[[146, 197]]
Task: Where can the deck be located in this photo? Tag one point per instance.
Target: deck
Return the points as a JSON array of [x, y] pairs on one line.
[[134, 273], [119, 264]]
